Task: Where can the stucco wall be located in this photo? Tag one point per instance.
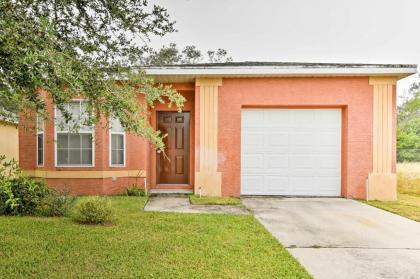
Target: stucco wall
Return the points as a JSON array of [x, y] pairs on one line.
[[9, 141], [139, 155], [353, 95]]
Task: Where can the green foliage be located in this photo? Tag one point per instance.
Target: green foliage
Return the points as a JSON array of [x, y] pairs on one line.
[[22, 195], [93, 210], [78, 48], [408, 132], [171, 55], [55, 204], [135, 191], [19, 194]]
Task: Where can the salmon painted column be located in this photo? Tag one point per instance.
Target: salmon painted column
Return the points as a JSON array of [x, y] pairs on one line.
[[208, 180], [382, 182]]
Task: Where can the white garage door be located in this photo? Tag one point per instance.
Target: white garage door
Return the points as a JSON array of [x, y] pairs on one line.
[[293, 152]]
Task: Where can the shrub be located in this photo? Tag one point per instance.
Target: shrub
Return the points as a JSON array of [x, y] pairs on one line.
[[57, 203], [93, 210], [19, 194], [135, 191], [22, 195]]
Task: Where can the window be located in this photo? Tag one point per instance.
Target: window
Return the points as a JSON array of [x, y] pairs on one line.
[[74, 140], [39, 141], [116, 144]]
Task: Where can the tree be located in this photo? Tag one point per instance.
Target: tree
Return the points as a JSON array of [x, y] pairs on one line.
[[171, 55], [78, 48], [408, 133]]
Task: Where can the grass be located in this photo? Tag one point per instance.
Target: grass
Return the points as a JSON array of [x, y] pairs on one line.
[[143, 245], [409, 178], [408, 203], [194, 199]]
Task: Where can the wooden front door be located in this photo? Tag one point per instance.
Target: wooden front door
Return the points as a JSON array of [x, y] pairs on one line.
[[174, 168]]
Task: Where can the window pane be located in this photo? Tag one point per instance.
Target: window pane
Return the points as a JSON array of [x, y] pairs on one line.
[[78, 118], [86, 156], [83, 116], [74, 158], [62, 157], [59, 121], [120, 157], [39, 124], [86, 141], [120, 142], [117, 149], [74, 140], [115, 126], [74, 149], [74, 109], [40, 141], [40, 157], [114, 158], [114, 142], [62, 141]]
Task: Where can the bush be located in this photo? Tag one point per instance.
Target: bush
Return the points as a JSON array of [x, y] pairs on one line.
[[22, 195], [56, 204], [93, 210], [135, 191], [19, 194]]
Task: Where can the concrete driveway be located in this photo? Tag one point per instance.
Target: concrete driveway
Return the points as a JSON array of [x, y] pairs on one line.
[[339, 238]]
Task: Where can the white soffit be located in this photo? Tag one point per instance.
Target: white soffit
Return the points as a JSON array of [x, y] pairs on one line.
[[185, 73]]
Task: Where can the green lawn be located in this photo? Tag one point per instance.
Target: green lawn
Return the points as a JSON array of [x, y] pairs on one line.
[[143, 245], [406, 205], [214, 200]]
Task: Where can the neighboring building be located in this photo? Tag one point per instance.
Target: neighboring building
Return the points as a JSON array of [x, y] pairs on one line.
[[298, 129], [9, 139]]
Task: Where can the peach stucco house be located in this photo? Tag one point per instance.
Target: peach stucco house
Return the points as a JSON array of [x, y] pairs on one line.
[[294, 129]]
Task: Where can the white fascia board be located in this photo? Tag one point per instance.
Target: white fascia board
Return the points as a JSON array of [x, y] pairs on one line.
[[277, 71]]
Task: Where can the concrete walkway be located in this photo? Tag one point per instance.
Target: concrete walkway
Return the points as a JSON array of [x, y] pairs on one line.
[[339, 238], [182, 204]]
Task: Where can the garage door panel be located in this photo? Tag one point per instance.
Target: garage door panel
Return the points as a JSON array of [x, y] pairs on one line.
[[291, 152], [276, 184], [328, 150], [328, 162], [303, 117], [304, 161], [327, 186], [329, 118], [253, 162], [252, 185], [274, 118], [276, 162], [302, 138], [304, 185], [253, 138], [276, 139], [328, 138], [252, 118]]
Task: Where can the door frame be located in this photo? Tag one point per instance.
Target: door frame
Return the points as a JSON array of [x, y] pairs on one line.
[[188, 148], [152, 158]]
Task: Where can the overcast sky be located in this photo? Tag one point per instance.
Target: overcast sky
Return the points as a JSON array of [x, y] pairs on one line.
[[352, 31]]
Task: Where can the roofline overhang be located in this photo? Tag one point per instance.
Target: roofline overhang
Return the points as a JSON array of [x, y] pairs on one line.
[[280, 71]]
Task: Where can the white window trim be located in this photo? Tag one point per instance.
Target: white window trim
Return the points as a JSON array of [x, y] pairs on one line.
[[43, 143], [55, 144], [110, 148]]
